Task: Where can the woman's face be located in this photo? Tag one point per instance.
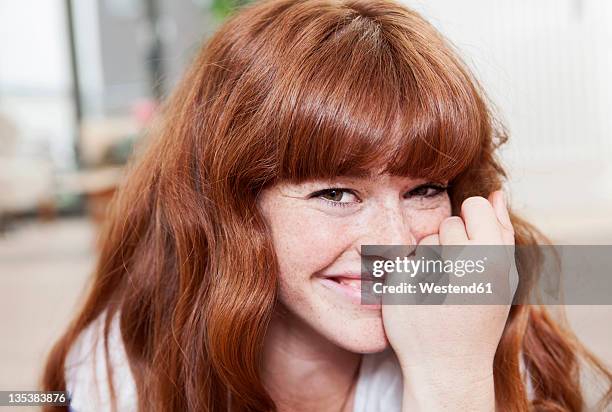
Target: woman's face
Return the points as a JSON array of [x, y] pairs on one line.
[[318, 228]]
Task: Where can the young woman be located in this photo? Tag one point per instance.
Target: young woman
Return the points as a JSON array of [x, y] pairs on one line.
[[303, 130]]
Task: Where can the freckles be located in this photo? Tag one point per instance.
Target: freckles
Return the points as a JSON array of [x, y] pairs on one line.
[[427, 222], [299, 233], [304, 243]]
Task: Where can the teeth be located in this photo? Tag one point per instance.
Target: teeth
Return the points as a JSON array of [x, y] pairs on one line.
[[354, 283]]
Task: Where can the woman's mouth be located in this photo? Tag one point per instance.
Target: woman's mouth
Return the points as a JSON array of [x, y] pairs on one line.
[[352, 287]]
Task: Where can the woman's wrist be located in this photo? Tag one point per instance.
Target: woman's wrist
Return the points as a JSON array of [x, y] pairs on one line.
[[448, 387]]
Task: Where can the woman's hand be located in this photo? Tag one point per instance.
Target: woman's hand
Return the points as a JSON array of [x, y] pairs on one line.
[[446, 351]]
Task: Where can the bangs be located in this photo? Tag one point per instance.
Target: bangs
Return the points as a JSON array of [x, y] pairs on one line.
[[358, 104]]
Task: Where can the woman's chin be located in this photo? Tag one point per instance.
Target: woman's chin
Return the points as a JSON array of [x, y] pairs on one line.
[[369, 347], [361, 336]]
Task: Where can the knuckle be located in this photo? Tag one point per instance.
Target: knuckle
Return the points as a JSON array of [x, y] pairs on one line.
[[451, 220], [473, 201]]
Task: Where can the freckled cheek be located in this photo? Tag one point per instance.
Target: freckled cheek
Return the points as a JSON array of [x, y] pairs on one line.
[[305, 243], [427, 222]]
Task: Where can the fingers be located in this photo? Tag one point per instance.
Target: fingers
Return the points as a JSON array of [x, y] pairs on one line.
[[452, 231], [481, 223], [484, 221], [431, 240]]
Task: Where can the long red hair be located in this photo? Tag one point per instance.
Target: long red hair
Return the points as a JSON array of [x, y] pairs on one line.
[[291, 90]]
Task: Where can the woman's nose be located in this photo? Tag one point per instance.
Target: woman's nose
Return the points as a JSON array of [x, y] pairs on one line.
[[389, 225]]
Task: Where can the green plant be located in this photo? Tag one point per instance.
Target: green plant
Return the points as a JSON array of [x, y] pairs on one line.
[[223, 8]]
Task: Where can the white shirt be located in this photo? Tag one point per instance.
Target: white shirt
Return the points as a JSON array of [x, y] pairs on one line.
[[380, 383], [86, 375]]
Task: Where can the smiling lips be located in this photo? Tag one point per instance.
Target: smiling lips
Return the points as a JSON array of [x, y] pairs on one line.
[[348, 285], [349, 275], [350, 279], [354, 283]]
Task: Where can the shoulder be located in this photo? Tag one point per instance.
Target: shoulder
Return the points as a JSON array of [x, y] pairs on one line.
[[86, 370]]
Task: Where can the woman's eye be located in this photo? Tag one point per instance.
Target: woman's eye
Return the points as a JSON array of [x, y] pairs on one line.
[[427, 190], [336, 196], [343, 197]]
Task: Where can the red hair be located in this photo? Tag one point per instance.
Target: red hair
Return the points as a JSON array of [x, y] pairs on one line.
[[291, 90]]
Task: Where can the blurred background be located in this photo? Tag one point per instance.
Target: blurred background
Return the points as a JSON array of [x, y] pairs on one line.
[[81, 80]]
